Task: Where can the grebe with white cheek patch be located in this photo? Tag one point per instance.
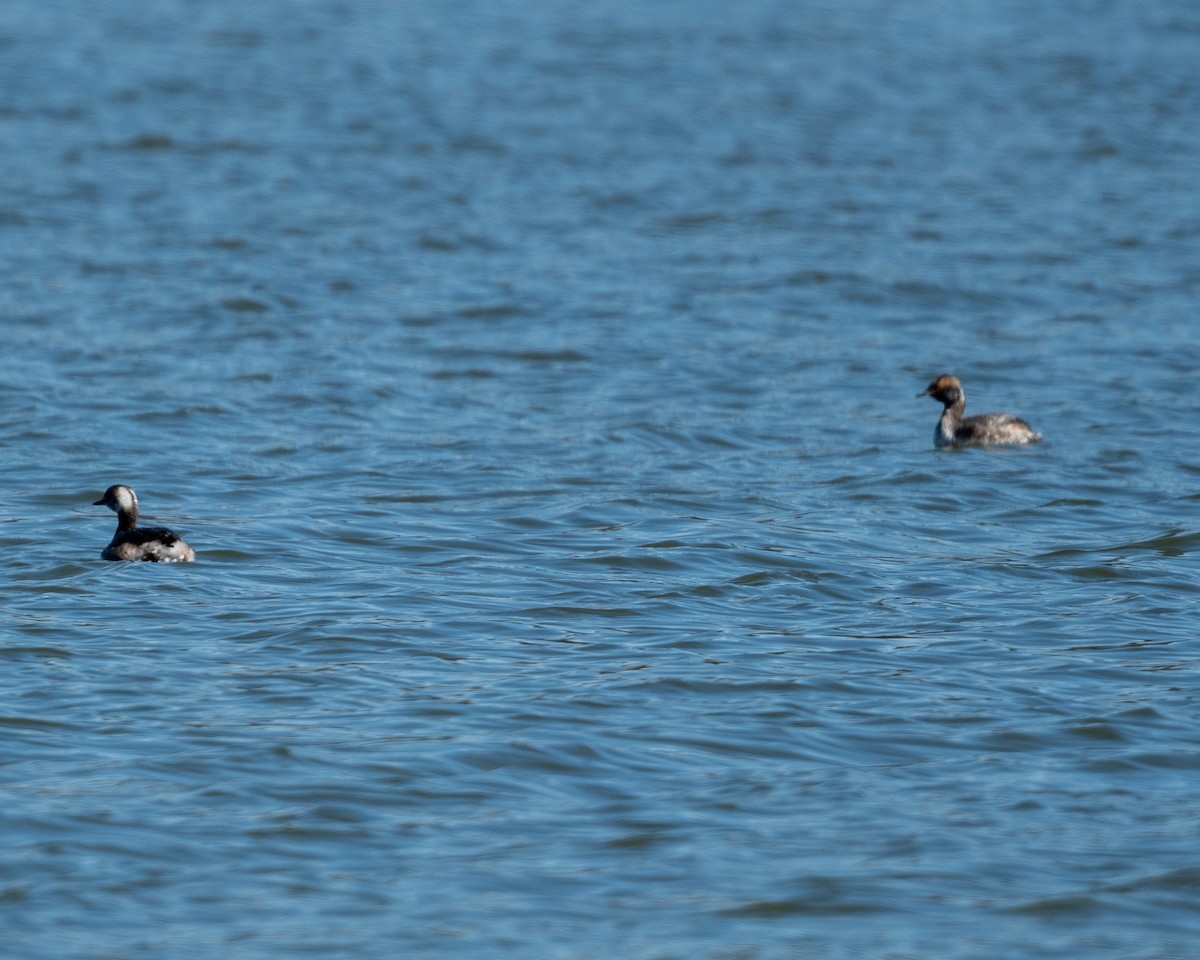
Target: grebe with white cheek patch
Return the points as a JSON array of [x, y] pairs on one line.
[[131, 542], [981, 430]]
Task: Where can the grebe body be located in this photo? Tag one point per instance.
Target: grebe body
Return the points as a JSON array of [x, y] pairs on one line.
[[981, 430], [131, 542]]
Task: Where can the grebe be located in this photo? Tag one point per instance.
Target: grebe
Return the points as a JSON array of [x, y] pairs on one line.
[[984, 429], [132, 542]]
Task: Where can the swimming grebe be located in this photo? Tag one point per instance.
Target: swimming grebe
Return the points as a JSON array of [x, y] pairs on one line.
[[132, 542], [984, 429]]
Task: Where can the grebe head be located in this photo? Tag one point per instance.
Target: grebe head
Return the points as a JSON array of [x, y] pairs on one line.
[[945, 389], [119, 499]]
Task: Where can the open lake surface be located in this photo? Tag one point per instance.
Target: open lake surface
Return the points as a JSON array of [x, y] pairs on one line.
[[577, 578]]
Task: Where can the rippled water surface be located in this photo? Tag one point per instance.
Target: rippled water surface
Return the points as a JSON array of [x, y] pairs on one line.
[[577, 578]]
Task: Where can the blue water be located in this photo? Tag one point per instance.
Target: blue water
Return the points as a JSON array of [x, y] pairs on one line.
[[577, 577]]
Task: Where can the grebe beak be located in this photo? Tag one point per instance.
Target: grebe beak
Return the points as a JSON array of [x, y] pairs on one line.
[[97, 503]]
